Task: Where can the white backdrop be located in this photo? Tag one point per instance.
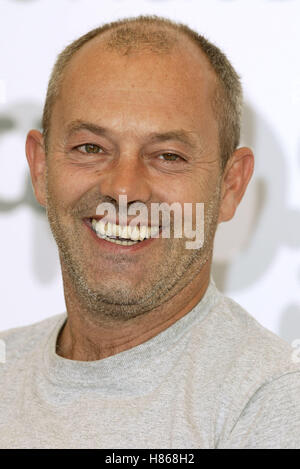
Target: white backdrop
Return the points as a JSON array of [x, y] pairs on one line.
[[257, 255]]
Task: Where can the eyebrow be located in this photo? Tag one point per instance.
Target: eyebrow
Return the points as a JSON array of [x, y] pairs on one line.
[[77, 125], [181, 135]]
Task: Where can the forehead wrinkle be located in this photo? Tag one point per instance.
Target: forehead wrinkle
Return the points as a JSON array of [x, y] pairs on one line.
[[78, 124], [181, 135]]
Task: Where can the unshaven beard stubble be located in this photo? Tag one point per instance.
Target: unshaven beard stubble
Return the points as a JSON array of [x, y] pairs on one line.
[[173, 273]]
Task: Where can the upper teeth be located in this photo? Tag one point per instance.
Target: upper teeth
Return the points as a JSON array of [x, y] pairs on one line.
[[128, 232]]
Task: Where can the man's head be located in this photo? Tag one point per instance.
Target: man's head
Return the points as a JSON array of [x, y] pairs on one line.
[[160, 35], [150, 110]]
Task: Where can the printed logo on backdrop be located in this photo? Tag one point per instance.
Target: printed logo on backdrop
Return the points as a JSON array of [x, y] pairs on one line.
[[16, 192], [17, 120]]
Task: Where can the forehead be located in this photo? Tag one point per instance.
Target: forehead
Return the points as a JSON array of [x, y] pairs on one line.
[[100, 82]]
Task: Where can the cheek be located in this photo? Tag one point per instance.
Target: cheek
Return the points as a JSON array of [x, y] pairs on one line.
[[185, 190], [64, 186], [169, 188]]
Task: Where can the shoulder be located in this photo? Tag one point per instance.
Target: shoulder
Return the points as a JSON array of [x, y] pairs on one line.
[[20, 340], [250, 345], [255, 369]]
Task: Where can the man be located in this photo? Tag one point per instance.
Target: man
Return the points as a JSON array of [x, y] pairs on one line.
[[149, 353]]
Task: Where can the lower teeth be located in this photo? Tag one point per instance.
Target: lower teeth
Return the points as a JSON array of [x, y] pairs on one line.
[[118, 241]]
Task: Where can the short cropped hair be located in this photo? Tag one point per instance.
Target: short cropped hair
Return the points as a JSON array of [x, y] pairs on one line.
[[153, 32]]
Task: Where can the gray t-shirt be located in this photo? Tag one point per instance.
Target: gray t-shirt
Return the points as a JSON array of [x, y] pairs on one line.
[[214, 379]]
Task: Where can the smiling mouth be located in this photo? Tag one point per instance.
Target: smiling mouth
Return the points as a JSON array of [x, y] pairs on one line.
[[122, 235]]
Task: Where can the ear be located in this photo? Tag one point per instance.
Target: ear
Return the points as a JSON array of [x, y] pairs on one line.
[[236, 177], [36, 158]]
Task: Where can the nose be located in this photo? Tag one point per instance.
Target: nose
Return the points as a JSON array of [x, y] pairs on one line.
[[128, 176]]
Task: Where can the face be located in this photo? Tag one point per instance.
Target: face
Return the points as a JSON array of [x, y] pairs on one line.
[[139, 125]]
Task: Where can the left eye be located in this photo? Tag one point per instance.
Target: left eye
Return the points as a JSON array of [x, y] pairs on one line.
[[169, 156], [89, 148]]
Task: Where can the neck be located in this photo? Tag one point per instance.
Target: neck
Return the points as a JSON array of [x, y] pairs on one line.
[[85, 339]]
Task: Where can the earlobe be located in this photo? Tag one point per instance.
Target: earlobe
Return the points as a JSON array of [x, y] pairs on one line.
[[237, 175], [36, 158]]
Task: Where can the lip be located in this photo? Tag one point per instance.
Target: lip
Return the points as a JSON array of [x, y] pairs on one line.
[[117, 248], [116, 221]]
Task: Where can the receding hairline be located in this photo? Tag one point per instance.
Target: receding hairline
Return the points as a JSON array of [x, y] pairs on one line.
[[159, 35], [163, 40]]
